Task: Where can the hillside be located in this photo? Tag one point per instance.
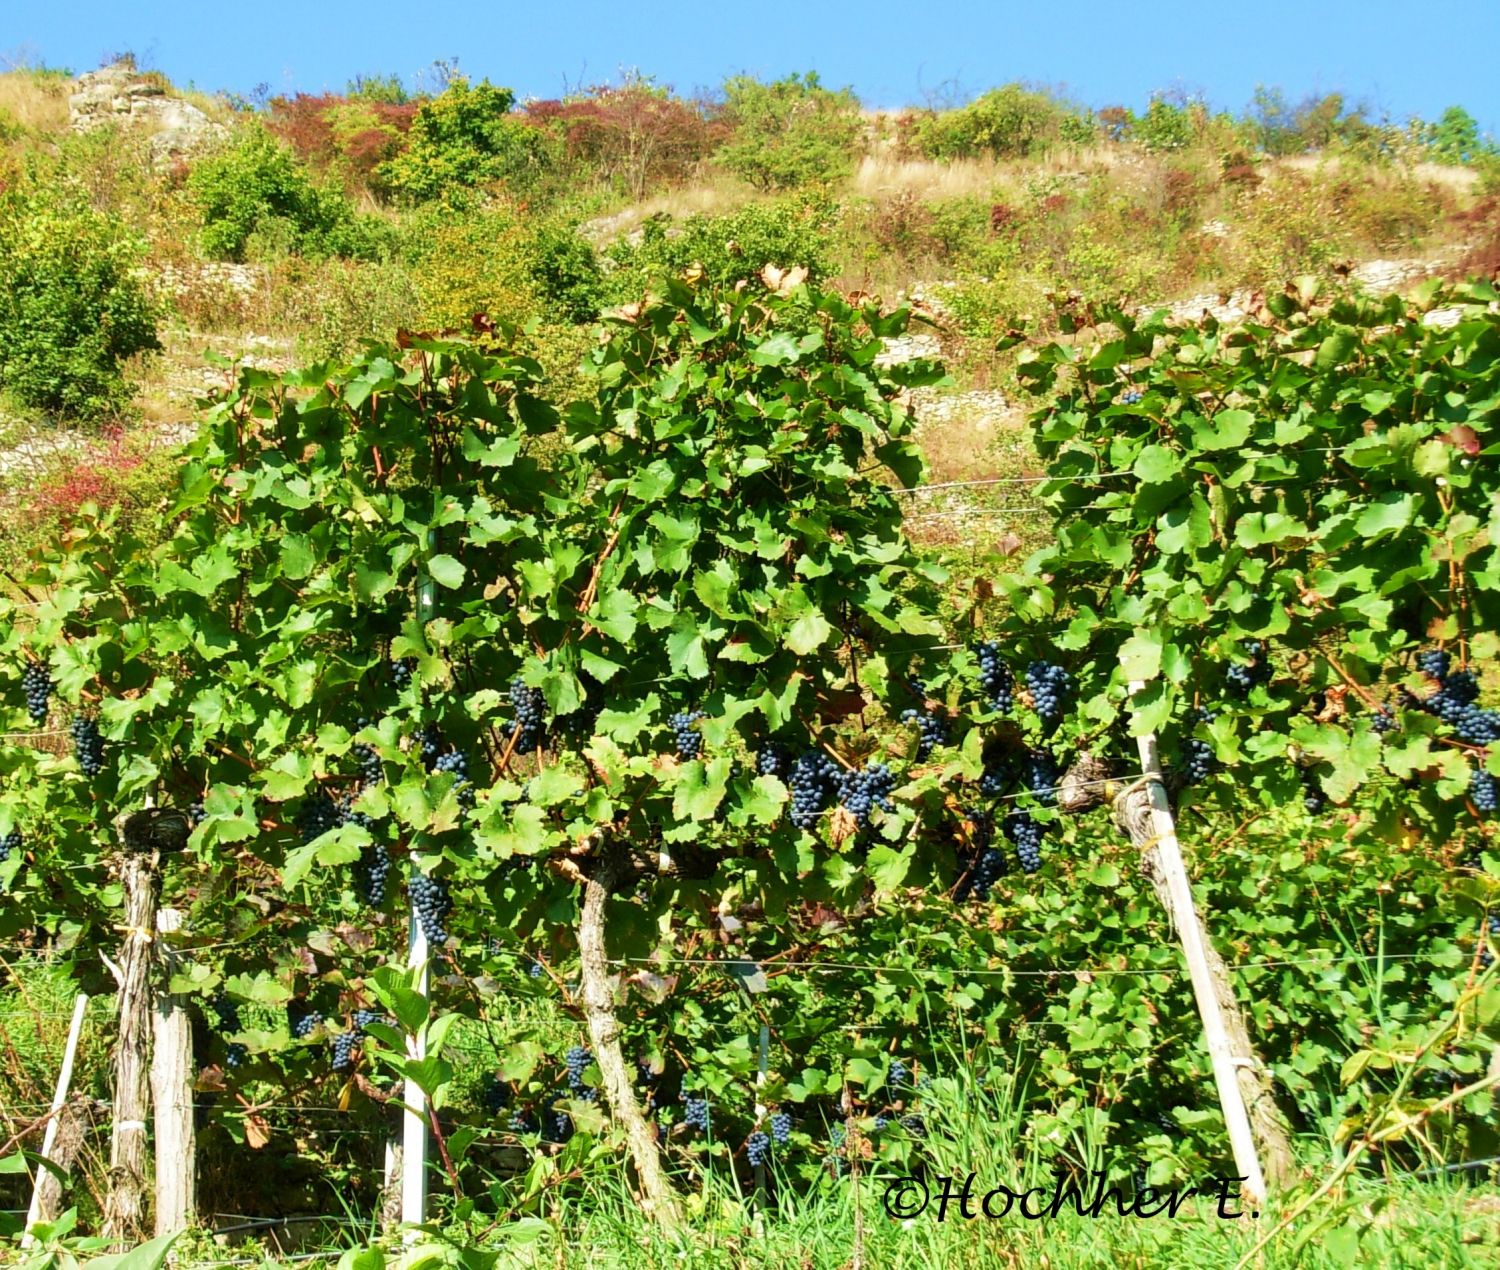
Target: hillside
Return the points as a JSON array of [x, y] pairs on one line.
[[291, 231]]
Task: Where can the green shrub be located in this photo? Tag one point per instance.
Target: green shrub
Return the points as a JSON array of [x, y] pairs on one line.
[[1166, 125], [785, 232], [466, 139], [1011, 122], [72, 308], [256, 192], [565, 270], [789, 133]]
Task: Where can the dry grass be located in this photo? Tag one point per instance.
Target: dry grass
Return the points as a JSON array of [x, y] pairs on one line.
[[39, 103]]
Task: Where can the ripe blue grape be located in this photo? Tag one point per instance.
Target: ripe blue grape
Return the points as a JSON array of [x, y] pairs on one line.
[[1026, 835], [36, 683], [529, 725], [534, 971], [494, 1094], [695, 1113], [757, 1148], [371, 771], [1484, 789], [1433, 663], [235, 1054], [304, 1020], [899, 1075], [1383, 721], [88, 745], [1041, 775], [813, 781], [317, 815], [1131, 397], [370, 873], [781, 1128], [1241, 677], [1313, 797], [431, 900], [1049, 687], [688, 740], [995, 677], [772, 760], [345, 1051], [862, 791], [577, 1060], [932, 731], [401, 672], [13, 841]]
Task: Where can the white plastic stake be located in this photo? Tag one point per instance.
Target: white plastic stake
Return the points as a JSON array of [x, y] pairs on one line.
[[59, 1096], [414, 1121], [1190, 931]]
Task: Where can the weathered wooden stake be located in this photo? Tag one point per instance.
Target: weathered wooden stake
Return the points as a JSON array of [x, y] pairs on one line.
[[414, 1119], [172, 1095], [123, 1224], [46, 1194], [1143, 811], [657, 1198]]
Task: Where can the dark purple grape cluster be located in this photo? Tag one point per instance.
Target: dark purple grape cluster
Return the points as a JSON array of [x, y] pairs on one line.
[[981, 865], [302, 1018], [577, 1061], [881, 1121], [1243, 676], [494, 1093], [1313, 797], [860, 792], [757, 1149], [1131, 397], [456, 762], [1042, 775], [197, 813], [235, 1054], [317, 815], [995, 677], [88, 745], [899, 1075], [932, 730], [814, 783], [1484, 790], [371, 871], [36, 683], [10, 843], [521, 1121], [363, 1019], [371, 771], [781, 1128], [534, 971], [998, 771], [345, 1050], [1383, 721], [431, 900], [226, 1011], [1025, 834], [1049, 687], [1197, 754], [1491, 935], [401, 672], [687, 738], [1433, 663], [530, 723], [914, 1125], [430, 740], [695, 1113], [557, 1126], [772, 760]]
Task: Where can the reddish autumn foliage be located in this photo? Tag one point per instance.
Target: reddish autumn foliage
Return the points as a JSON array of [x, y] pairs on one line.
[[635, 135], [97, 477], [332, 132]]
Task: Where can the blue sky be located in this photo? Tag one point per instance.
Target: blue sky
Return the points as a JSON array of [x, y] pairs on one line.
[[1402, 58]]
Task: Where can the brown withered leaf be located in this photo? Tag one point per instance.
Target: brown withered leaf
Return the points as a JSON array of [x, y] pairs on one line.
[[837, 704], [257, 1130], [842, 825], [1464, 437], [1009, 544]]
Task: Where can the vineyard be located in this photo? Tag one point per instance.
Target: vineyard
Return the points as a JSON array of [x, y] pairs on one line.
[[509, 812]]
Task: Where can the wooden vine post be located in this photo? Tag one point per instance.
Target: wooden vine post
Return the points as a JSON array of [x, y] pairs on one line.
[[123, 1218], [1143, 811], [172, 1094]]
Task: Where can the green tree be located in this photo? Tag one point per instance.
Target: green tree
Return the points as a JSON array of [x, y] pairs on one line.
[[465, 139], [790, 132], [72, 306], [1455, 137], [1010, 122]]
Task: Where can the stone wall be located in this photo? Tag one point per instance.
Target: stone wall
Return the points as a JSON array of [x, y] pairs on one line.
[[119, 94]]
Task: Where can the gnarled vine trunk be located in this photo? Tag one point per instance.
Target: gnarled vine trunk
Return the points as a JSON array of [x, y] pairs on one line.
[[657, 1199]]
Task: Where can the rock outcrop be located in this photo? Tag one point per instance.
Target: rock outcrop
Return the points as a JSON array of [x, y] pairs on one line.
[[119, 94]]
